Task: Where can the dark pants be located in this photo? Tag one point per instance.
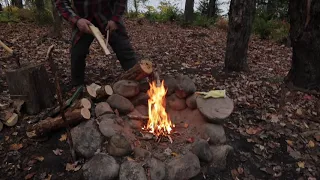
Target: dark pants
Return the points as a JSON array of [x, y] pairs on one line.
[[118, 40]]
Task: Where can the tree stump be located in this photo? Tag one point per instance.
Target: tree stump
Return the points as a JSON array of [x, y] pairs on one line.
[[31, 84]]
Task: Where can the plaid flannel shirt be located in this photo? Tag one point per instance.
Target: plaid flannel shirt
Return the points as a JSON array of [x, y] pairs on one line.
[[99, 11]]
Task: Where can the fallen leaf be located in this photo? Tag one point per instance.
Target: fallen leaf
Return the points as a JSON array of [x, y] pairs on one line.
[[57, 152], [49, 177], [73, 167], [63, 137], [252, 130], [240, 170], [174, 154], [317, 137], [190, 140], [290, 143], [15, 147], [293, 153], [186, 125], [29, 176], [6, 138], [301, 164], [311, 144], [39, 158], [130, 159], [234, 173], [299, 112]]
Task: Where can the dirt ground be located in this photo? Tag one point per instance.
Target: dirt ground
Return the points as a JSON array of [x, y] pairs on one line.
[[274, 130]]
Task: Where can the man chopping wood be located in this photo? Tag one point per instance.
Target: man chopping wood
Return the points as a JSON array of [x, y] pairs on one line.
[[106, 15]]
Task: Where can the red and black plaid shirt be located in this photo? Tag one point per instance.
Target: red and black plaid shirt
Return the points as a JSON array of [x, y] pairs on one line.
[[99, 11]]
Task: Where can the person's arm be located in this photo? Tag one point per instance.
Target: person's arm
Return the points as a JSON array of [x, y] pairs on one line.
[[119, 8], [64, 9]]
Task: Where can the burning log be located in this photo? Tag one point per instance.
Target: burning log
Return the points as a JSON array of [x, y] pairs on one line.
[[143, 118], [139, 71], [51, 124]]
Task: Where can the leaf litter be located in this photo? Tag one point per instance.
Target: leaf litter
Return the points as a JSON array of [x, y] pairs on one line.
[[271, 126]]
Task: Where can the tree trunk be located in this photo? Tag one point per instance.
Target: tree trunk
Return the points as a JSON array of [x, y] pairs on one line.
[[188, 11], [212, 8], [241, 16], [305, 39], [135, 4], [57, 22], [17, 3]]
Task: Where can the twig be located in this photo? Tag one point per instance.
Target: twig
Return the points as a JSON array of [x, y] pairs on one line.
[[58, 91]]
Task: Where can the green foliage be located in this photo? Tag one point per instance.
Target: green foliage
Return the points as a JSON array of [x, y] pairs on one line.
[[274, 29], [166, 12], [203, 21]]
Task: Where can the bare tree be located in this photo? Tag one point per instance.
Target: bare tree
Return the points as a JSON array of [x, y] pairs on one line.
[[241, 16], [188, 11], [305, 38]]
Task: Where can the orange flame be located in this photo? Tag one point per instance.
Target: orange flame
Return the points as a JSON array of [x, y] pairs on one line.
[[159, 122]]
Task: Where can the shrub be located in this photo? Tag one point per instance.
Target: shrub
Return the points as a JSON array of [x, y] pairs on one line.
[[262, 27], [222, 23], [203, 21], [281, 32], [166, 12], [25, 15]]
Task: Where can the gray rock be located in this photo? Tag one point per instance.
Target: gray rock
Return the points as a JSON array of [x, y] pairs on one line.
[[183, 167], [201, 148], [216, 110], [219, 156], [185, 86], [122, 104], [101, 167], [141, 153], [119, 146], [170, 83], [142, 109], [86, 138], [176, 103], [214, 132], [135, 124], [109, 128], [140, 99], [192, 102], [131, 170], [102, 108], [157, 169]]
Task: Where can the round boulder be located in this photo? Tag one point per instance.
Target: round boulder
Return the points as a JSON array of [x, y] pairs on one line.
[[101, 167]]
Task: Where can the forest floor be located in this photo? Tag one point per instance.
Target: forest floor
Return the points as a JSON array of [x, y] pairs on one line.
[[275, 131]]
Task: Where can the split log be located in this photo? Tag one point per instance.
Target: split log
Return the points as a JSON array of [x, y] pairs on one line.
[[82, 103], [52, 124], [126, 88], [215, 109], [97, 92], [104, 92], [139, 71], [31, 84]]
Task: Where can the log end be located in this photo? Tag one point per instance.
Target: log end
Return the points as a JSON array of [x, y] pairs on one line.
[[85, 113], [146, 66]]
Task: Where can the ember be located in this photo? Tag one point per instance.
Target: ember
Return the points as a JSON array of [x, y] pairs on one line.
[[159, 123]]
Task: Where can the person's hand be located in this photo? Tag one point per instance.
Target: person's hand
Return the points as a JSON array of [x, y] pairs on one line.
[[83, 25], [111, 26]]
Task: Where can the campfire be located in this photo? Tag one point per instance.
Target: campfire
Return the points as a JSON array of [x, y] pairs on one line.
[[159, 122]]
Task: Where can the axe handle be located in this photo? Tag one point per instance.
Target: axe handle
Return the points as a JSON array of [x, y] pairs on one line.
[[6, 47]]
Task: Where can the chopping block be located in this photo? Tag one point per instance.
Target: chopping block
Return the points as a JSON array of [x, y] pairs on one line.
[[29, 83]]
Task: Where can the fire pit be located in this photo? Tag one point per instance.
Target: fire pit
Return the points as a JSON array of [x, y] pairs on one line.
[[163, 131]]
